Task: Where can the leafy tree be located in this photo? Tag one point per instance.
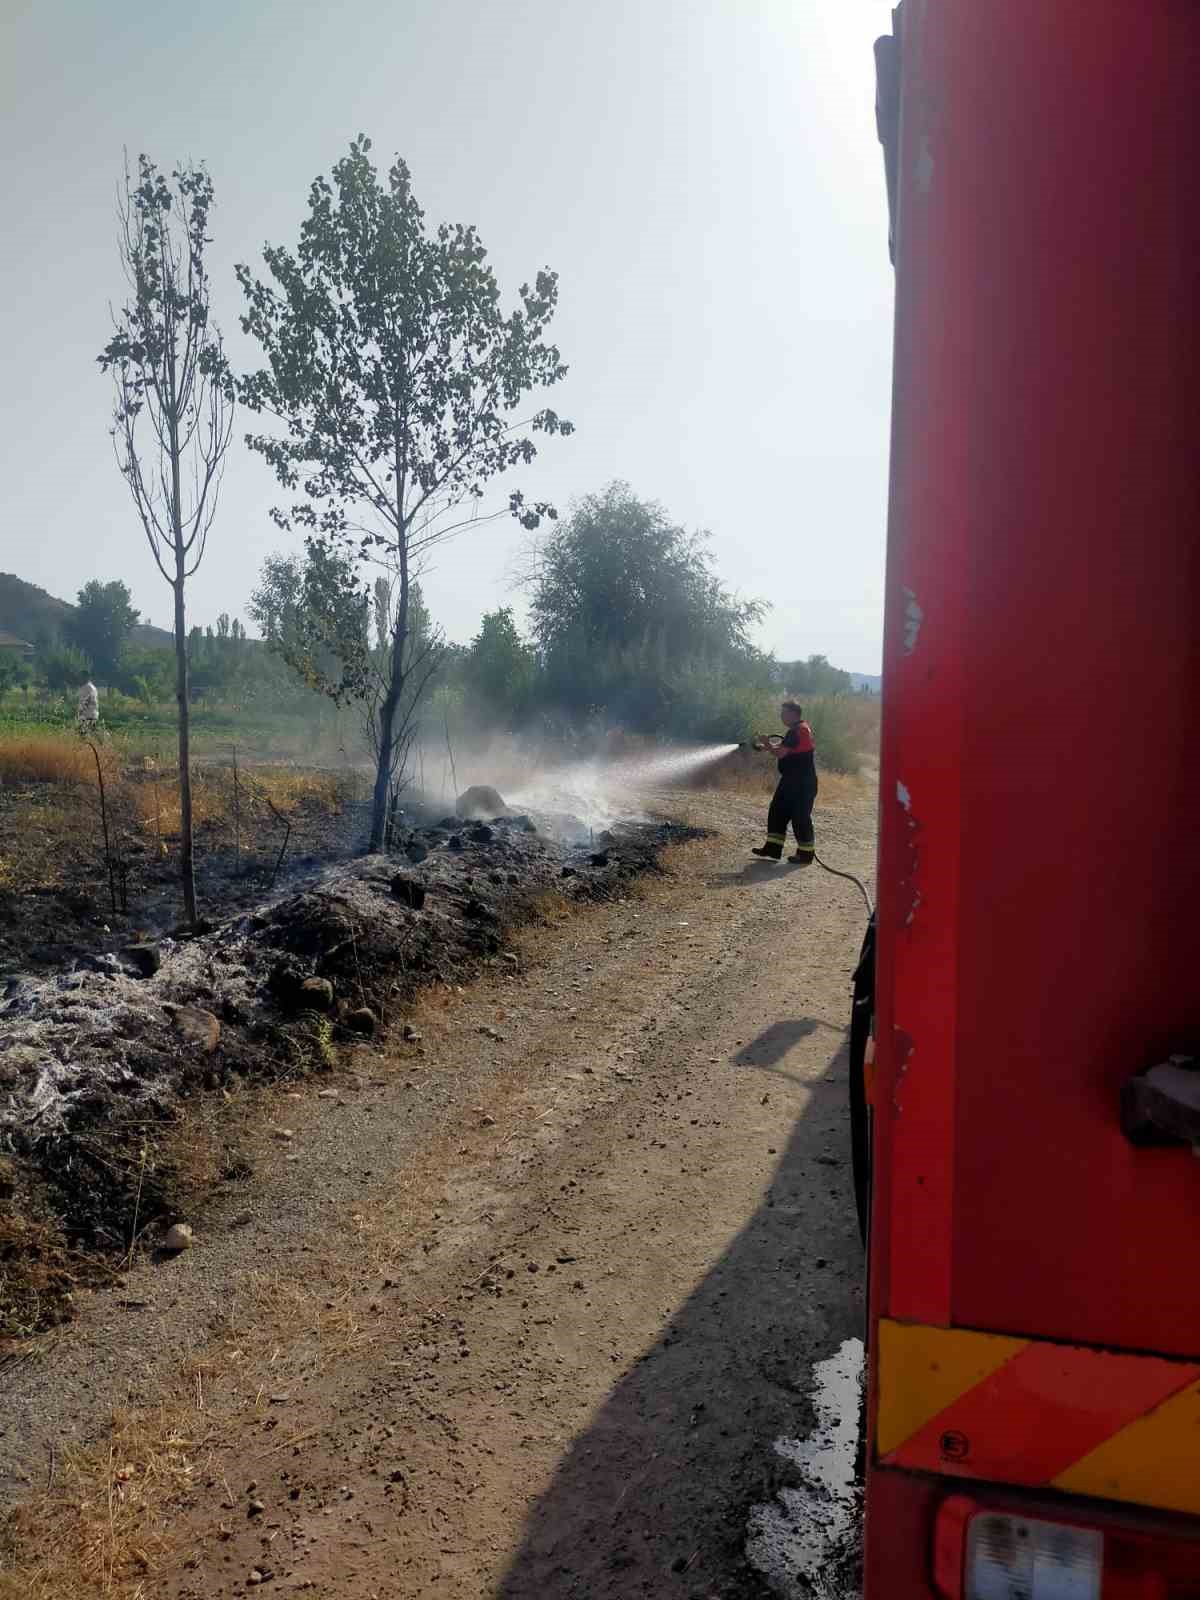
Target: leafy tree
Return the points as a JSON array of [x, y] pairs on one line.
[[315, 615], [814, 676], [102, 624], [147, 673], [62, 668], [14, 673], [626, 606], [173, 414], [395, 373], [499, 670], [45, 637]]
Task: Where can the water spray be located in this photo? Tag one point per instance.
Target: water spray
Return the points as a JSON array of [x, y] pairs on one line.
[[592, 790]]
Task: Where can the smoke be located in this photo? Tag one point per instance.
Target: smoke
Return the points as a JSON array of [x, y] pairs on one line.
[[600, 790]]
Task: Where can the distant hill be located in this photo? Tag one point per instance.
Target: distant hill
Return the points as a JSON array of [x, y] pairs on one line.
[[871, 682], [28, 612]]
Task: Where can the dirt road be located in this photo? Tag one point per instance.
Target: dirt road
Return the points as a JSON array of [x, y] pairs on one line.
[[546, 1349]]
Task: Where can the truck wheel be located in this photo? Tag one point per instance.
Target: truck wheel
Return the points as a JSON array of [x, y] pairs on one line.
[[862, 1022]]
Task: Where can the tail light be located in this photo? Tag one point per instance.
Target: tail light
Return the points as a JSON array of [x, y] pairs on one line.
[[998, 1553], [1017, 1558]]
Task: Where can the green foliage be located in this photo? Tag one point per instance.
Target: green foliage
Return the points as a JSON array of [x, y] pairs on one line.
[[833, 733], [843, 726], [45, 621], [499, 671], [395, 373], [101, 625], [147, 674], [14, 673], [627, 609], [391, 362], [315, 616], [814, 676], [713, 707], [62, 669]]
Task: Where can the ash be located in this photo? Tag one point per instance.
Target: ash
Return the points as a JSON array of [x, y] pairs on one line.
[[346, 950]]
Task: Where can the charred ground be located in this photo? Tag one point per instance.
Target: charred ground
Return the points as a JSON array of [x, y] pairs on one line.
[[127, 1059]]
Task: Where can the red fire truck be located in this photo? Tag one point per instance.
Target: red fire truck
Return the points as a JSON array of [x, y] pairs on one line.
[[1027, 1022]]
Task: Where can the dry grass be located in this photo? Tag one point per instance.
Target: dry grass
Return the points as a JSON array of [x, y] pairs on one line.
[[97, 1528], [216, 797], [107, 1521], [47, 758], [35, 1277], [860, 715], [143, 794]]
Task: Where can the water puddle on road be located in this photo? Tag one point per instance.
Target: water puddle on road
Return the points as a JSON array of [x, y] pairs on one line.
[[805, 1542]]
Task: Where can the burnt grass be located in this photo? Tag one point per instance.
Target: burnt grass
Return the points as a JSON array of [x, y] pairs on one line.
[[115, 1056], [56, 904]]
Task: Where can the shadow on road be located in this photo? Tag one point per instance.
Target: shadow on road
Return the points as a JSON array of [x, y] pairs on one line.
[[754, 872], [773, 1043], [653, 1497]]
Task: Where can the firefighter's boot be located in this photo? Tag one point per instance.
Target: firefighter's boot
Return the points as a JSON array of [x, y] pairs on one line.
[[804, 856], [771, 851]]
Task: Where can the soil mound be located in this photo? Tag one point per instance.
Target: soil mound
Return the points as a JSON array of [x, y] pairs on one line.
[[480, 802]]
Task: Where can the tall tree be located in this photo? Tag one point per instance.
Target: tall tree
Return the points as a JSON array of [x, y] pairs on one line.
[[173, 415], [624, 602], [101, 625], [395, 374], [499, 669], [814, 676]]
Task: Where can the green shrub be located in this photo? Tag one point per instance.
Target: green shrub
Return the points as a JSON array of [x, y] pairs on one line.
[[833, 734], [845, 727]]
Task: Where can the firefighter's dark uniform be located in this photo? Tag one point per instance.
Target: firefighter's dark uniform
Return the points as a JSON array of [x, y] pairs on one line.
[[793, 798]]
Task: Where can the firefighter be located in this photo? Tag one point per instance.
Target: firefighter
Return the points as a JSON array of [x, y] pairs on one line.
[[796, 790]]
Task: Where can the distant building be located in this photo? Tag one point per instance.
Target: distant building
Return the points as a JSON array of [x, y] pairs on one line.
[[11, 645]]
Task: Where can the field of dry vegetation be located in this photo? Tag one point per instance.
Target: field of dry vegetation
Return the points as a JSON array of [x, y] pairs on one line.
[[88, 836]]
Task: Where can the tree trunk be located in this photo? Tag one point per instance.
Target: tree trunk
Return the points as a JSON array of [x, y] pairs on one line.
[[187, 864], [387, 712], [383, 766]]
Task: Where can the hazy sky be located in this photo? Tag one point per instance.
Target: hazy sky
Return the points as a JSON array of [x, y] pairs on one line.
[[702, 174]]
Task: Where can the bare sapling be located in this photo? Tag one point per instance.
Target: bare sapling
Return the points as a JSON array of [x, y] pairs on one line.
[[173, 410], [450, 754], [112, 868], [158, 804], [287, 834], [237, 816]]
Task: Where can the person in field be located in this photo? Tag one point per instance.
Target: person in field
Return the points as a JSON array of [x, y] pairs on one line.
[[88, 707], [796, 790]]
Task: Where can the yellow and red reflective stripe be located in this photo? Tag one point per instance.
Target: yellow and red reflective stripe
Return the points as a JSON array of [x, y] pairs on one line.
[[1033, 1412], [1153, 1462]]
